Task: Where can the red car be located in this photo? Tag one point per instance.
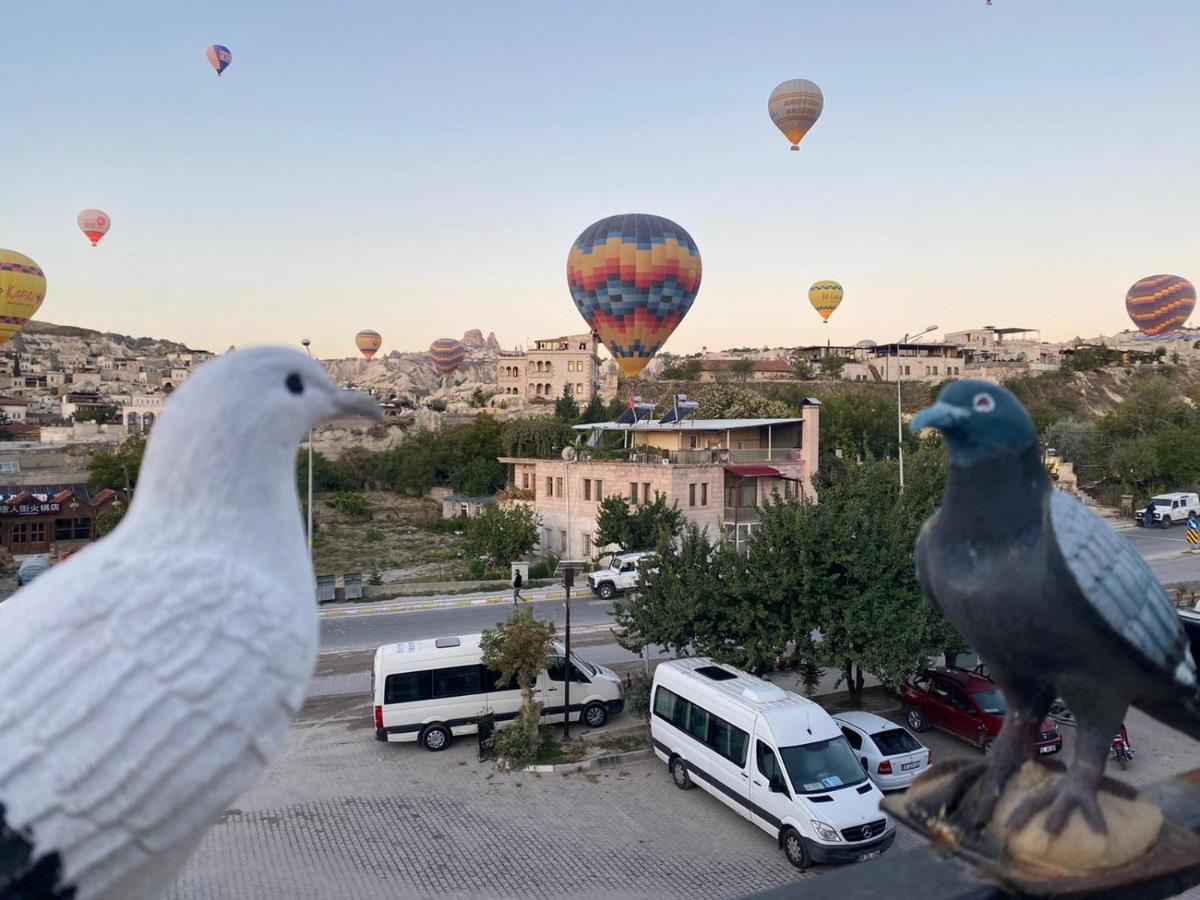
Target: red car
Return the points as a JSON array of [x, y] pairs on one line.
[[965, 705]]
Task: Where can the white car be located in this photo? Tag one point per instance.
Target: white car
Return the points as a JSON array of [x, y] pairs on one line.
[[889, 753], [1170, 509], [621, 575]]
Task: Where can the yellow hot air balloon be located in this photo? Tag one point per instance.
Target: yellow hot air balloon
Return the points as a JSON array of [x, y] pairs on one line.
[[22, 290], [368, 342], [795, 107], [825, 297]]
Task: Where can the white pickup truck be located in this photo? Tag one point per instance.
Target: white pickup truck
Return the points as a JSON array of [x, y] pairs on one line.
[[1170, 509], [620, 576]]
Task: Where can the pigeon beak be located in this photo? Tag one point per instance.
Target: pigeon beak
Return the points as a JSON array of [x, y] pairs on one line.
[[356, 404], [941, 416]]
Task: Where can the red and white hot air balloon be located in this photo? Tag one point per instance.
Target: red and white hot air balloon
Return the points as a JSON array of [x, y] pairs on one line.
[[94, 223]]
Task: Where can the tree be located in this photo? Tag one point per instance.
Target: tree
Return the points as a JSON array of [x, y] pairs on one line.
[[97, 414], [541, 437], [109, 518], [326, 475], [862, 422], [683, 370], [594, 411], [724, 401], [832, 365], [119, 470], [640, 528], [565, 407], [517, 649], [5, 421], [503, 534], [803, 370], [480, 477], [1076, 441], [742, 369]]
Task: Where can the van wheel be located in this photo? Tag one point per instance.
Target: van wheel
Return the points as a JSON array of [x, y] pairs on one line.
[[435, 738], [793, 848], [595, 715], [679, 774], [915, 719], [1166, 521], [607, 591]]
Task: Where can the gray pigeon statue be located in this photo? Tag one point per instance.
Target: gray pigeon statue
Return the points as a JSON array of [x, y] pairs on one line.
[[1053, 598], [149, 679]]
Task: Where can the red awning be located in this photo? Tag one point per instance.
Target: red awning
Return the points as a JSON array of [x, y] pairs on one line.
[[754, 472]]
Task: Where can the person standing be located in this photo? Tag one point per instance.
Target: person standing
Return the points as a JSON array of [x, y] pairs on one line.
[[517, 582]]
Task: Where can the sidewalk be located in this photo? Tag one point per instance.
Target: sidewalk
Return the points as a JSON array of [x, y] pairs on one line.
[[414, 604]]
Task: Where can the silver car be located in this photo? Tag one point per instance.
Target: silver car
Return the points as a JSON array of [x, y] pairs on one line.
[[890, 754]]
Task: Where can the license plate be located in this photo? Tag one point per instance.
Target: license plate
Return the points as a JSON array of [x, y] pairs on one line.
[[1049, 748], [874, 854], [910, 765]]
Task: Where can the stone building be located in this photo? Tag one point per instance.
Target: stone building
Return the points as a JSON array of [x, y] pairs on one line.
[[540, 373], [51, 519]]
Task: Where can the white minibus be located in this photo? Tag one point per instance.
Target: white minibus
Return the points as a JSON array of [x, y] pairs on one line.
[[771, 756], [428, 690]]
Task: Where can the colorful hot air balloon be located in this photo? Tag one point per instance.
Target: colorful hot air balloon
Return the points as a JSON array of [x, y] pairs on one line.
[[368, 342], [94, 223], [219, 57], [447, 354], [22, 290], [795, 107], [1160, 304], [825, 296], [633, 278]]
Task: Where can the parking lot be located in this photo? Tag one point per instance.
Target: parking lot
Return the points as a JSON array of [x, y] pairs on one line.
[[339, 814]]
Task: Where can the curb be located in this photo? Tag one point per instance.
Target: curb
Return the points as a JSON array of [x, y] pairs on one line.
[[596, 762], [447, 603]]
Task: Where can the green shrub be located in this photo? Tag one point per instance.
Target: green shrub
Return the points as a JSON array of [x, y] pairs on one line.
[[476, 570], [514, 747], [637, 696], [373, 535], [544, 569], [349, 503]]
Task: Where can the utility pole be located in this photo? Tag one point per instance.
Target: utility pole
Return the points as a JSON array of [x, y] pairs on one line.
[[306, 343]]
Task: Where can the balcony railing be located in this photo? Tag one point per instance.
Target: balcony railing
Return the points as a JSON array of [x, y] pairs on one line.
[[741, 514], [725, 457]]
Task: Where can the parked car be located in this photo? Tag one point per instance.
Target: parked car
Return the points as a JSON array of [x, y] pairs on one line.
[[1170, 509], [967, 706], [891, 756], [31, 567], [620, 576]]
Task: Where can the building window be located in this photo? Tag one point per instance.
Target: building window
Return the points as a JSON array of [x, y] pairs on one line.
[[525, 481], [37, 532], [691, 495], [20, 533], [579, 388], [704, 494], [633, 493], [562, 540], [63, 529], [587, 489], [645, 492], [558, 487], [549, 486], [599, 490]]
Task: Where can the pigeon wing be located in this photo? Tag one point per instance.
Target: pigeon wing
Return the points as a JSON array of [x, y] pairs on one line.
[[1120, 587], [134, 709]]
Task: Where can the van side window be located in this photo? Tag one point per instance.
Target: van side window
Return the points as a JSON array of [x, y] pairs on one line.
[[728, 740], [697, 723], [457, 681], [768, 762], [557, 671], [853, 737], [407, 687], [669, 706]]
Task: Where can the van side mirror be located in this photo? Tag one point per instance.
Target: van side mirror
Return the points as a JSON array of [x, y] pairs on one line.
[[778, 787]]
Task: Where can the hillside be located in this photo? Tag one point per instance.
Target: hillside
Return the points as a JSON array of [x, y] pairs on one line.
[[37, 336]]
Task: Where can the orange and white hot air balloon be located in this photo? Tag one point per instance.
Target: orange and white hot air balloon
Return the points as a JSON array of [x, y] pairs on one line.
[[94, 223], [795, 107], [368, 342]]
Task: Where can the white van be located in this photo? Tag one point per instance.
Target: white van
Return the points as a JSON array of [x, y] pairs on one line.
[[1170, 509], [771, 756], [620, 576], [429, 690]]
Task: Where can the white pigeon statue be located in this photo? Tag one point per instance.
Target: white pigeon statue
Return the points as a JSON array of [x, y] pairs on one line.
[[148, 680]]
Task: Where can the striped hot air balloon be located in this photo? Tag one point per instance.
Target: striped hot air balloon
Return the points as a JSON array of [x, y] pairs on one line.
[[22, 290], [447, 354], [1160, 304], [633, 278], [368, 342], [795, 107], [825, 297]]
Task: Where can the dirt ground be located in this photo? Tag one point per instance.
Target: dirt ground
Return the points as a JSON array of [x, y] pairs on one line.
[[391, 544]]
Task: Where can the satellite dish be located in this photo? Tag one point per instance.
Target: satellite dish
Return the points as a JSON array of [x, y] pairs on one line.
[[568, 453]]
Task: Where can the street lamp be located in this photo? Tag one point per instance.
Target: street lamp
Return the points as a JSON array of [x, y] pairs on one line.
[[306, 344], [899, 408]]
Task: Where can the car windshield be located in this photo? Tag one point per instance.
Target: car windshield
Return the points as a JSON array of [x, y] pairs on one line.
[[822, 766], [1161, 501], [990, 701], [895, 741]]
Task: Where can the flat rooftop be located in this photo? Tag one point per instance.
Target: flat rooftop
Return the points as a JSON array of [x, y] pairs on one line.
[[690, 424]]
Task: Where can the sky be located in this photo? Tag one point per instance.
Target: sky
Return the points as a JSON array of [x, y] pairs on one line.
[[423, 168]]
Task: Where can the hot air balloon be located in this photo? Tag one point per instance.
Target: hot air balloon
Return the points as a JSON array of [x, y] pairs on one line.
[[219, 57], [1159, 304], [368, 342], [795, 107], [22, 290], [633, 278], [825, 297], [447, 354], [94, 223]]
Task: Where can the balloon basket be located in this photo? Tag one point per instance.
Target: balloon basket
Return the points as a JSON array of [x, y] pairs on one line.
[[795, 146]]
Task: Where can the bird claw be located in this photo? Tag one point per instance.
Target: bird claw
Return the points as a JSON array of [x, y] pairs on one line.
[[945, 800], [1062, 799]]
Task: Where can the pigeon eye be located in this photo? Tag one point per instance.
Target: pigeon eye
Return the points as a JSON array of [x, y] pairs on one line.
[[294, 384], [983, 403]]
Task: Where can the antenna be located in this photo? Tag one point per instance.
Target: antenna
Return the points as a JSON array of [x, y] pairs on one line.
[[681, 408]]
